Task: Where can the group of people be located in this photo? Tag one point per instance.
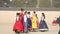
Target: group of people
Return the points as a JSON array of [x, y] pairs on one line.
[[24, 22]]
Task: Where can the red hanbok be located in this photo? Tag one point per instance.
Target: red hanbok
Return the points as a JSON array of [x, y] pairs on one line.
[[37, 24], [19, 23]]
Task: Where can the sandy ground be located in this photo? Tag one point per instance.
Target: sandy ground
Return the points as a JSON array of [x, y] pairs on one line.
[[7, 20]]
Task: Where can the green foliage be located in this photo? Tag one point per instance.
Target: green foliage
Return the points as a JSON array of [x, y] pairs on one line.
[[4, 1], [44, 3], [22, 3], [57, 3], [29, 3]]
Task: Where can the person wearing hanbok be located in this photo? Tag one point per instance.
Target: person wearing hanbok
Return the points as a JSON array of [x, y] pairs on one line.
[[58, 20], [18, 26], [29, 21], [14, 29], [25, 22], [43, 26], [37, 21], [34, 23]]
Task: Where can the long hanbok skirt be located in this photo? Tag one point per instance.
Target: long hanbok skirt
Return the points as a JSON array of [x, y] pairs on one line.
[[29, 22], [43, 25], [37, 24], [25, 27], [18, 26]]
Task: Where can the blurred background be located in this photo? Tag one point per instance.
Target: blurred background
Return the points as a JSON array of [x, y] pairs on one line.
[[46, 4], [30, 3], [9, 8]]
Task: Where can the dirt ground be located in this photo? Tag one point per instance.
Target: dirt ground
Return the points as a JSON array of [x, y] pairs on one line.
[[7, 20]]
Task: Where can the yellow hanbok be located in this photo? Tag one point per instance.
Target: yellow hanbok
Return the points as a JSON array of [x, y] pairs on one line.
[[34, 24]]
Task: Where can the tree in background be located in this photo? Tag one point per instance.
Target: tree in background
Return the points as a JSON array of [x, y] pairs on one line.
[[30, 3], [4, 3]]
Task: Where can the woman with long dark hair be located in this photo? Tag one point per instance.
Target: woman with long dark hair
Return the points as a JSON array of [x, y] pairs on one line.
[[43, 26], [25, 22]]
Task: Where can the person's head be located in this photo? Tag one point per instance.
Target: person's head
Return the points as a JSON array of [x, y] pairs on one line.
[[29, 13], [43, 15], [22, 9], [25, 12], [34, 12], [18, 14]]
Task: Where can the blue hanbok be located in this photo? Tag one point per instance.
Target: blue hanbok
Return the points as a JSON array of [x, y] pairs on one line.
[[43, 26], [29, 21], [25, 24]]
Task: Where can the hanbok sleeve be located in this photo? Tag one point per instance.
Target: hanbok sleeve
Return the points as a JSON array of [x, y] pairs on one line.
[[25, 18], [42, 18]]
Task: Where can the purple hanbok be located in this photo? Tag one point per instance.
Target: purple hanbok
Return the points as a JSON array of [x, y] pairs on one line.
[[43, 26]]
